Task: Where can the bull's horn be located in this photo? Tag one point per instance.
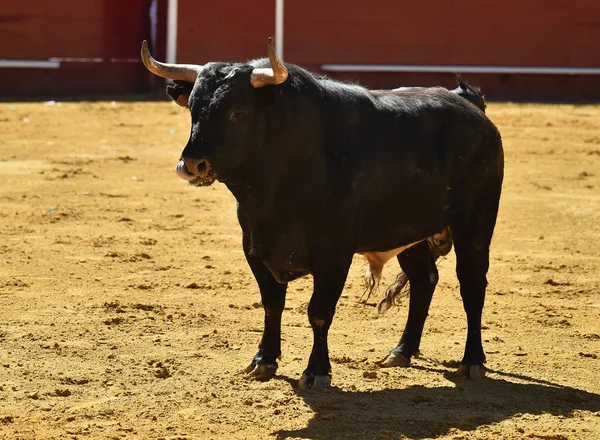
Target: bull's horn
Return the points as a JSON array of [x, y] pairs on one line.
[[274, 75], [182, 72]]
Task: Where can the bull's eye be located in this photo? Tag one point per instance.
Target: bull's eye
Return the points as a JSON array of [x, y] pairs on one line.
[[237, 114]]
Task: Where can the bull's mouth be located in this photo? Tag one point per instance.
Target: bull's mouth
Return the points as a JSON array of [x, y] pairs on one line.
[[206, 179], [203, 181]]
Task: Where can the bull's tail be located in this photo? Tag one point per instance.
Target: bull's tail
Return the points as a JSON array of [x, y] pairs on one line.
[[399, 289], [470, 93]]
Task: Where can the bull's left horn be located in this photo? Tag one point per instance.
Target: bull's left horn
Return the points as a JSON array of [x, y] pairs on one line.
[[182, 72], [274, 75]]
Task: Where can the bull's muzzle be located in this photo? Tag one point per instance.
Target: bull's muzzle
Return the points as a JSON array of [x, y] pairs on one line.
[[197, 172], [182, 172]]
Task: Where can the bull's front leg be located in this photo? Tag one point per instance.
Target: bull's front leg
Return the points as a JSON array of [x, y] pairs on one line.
[[264, 364], [328, 285]]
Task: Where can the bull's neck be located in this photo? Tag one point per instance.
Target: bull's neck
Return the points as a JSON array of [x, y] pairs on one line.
[[278, 191]]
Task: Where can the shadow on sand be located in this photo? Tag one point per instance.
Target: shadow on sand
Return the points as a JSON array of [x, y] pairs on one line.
[[419, 412]]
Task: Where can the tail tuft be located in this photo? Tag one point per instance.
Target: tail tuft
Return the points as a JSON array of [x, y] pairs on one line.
[[394, 293]]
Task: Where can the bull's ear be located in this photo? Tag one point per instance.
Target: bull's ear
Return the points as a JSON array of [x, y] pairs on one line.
[[180, 91]]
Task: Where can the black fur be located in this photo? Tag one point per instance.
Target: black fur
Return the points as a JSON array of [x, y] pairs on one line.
[[470, 93], [322, 170]]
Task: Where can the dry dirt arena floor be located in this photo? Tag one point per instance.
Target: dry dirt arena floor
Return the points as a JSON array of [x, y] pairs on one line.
[[127, 310]]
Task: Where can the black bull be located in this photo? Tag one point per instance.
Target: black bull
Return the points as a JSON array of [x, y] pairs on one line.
[[322, 170]]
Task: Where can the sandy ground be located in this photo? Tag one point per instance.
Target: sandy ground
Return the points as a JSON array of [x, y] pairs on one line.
[[127, 309]]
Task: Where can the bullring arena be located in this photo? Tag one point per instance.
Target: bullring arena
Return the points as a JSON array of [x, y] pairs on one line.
[[127, 309]]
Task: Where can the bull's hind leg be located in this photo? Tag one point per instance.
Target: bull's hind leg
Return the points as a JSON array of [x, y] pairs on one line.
[[419, 266], [472, 240], [264, 364], [472, 262]]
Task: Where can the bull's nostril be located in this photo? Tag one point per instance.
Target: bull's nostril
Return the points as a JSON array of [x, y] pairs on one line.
[[202, 167]]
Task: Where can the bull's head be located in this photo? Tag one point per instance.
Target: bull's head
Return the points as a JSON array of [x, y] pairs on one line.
[[226, 101]]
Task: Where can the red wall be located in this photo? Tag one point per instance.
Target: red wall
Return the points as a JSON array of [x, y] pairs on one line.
[[107, 29], [490, 32], [562, 33], [218, 30], [471, 32], [441, 32]]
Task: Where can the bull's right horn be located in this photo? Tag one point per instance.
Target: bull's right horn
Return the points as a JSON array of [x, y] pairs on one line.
[[274, 75], [181, 72]]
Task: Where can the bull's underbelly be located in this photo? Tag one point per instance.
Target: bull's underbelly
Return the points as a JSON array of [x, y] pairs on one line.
[[442, 240], [297, 264], [380, 258], [288, 254], [440, 244]]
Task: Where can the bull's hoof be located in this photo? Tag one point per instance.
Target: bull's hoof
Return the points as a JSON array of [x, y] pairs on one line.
[[261, 372], [310, 382], [395, 360], [475, 372]]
